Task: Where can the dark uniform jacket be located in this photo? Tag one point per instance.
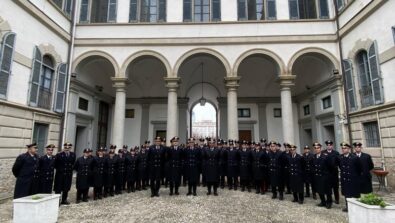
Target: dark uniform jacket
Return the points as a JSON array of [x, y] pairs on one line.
[[297, 166], [26, 171], [121, 169], [64, 171], [211, 159], [308, 159], [47, 165], [84, 169], [245, 164], [155, 159], [174, 160], [333, 157], [366, 178], [222, 161], [322, 169], [233, 158], [350, 173], [110, 170], [276, 169], [98, 171], [259, 161], [192, 164], [132, 163], [142, 165]]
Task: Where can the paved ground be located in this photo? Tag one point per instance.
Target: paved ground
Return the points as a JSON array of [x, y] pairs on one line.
[[229, 206]]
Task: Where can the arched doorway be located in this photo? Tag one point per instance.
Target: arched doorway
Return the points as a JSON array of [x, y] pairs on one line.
[[204, 120]]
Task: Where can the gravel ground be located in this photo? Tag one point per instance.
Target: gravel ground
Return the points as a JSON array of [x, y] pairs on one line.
[[229, 206]]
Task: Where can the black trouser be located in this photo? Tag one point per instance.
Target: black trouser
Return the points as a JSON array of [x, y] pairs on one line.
[[258, 186], [192, 186], [298, 196], [132, 186], [64, 195], [335, 188], [244, 184], [109, 190], [97, 192], [232, 182], [222, 181], [212, 185], [307, 185], [119, 188], [280, 190], [83, 193], [155, 185], [174, 185], [326, 198]]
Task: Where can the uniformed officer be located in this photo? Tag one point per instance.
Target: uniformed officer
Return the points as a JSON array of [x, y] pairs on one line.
[[367, 165], [322, 169], [309, 175], [275, 170], [297, 166], [26, 171], [132, 163], [64, 162], [284, 156], [174, 155], [121, 172], [142, 167], [233, 158], [259, 160], [192, 166], [333, 156], [202, 148], [84, 169], [245, 166], [266, 177], [110, 173], [98, 174], [350, 173], [47, 166], [155, 159], [211, 158]]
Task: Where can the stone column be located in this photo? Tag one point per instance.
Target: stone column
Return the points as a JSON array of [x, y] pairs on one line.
[[119, 83], [182, 120], [223, 118], [232, 83], [144, 122], [71, 116], [286, 82], [172, 108], [338, 110], [262, 120]]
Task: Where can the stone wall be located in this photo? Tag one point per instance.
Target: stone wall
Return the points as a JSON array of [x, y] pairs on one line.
[[7, 180]]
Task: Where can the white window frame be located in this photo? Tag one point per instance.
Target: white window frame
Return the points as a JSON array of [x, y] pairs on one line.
[[210, 12], [266, 8]]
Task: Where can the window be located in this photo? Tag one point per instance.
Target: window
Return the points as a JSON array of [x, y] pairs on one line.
[[147, 11], [64, 5], [129, 113], [6, 58], [349, 85], [393, 32], [256, 9], [202, 10], [306, 110], [369, 77], [244, 112], [98, 11], [42, 82], [340, 4], [83, 104], [372, 136], [40, 132], [327, 102], [308, 9], [277, 112], [102, 124]]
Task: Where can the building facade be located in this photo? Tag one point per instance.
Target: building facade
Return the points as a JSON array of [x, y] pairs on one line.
[[125, 71]]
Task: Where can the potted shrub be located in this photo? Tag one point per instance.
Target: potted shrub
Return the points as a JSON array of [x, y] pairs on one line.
[[36, 208], [370, 208]]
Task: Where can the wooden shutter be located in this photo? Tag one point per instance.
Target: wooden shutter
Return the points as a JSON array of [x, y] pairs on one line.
[[61, 88], [349, 84], [293, 9], [216, 10], [162, 11], [187, 13], [241, 9], [112, 11], [324, 11], [84, 11], [374, 67], [35, 77], [133, 11], [6, 58], [271, 10]]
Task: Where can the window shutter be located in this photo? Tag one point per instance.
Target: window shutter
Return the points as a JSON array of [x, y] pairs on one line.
[[324, 11], [271, 9], [6, 58], [216, 13], [187, 13], [61, 87], [162, 11], [374, 67], [241, 9], [112, 11], [84, 11], [340, 4], [349, 84], [35, 79], [133, 11], [293, 9]]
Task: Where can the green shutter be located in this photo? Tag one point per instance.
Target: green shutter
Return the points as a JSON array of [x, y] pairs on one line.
[[61, 87], [6, 58], [35, 77], [374, 67]]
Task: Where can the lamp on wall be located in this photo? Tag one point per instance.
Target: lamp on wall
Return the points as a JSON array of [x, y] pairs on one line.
[[202, 99]]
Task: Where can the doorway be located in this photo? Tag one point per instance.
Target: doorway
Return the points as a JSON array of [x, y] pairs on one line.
[[40, 133], [245, 135], [81, 140], [204, 120]]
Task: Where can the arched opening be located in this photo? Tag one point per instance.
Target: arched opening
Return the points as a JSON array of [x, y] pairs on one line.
[[204, 120]]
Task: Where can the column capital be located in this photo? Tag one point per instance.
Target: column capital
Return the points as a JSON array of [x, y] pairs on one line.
[[286, 81], [232, 83], [338, 82], [172, 83], [119, 82]]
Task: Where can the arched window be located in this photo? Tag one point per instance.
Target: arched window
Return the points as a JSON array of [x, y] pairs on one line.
[[147, 11], [369, 77], [256, 9], [42, 82], [202, 10], [308, 9], [98, 11], [6, 57]]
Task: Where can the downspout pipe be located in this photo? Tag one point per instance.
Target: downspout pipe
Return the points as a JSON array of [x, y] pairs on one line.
[[69, 70]]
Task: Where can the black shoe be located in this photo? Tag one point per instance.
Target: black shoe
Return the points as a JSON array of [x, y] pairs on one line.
[[77, 202], [307, 195], [171, 194], [281, 197], [194, 194], [321, 205], [85, 200], [294, 200], [262, 193], [208, 193], [152, 195], [345, 209], [337, 202], [189, 193], [176, 193], [65, 203], [235, 188], [314, 196], [215, 194], [100, 197], [300, 202], [328, 206], [274, 196], [230, 188]]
